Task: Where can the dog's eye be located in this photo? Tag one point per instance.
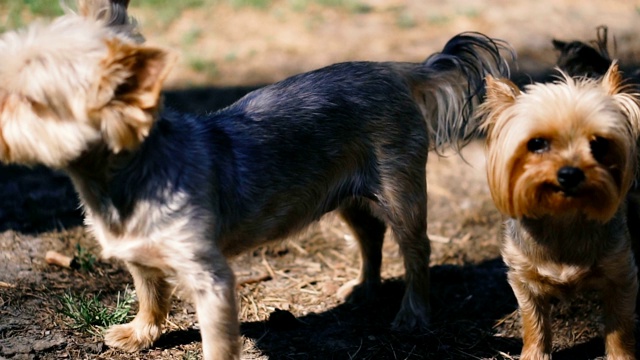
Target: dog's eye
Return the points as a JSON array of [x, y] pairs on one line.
[[538, 145], [599, 148]]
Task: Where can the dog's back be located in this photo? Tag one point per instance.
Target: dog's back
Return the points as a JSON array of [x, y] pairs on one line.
[[301, 147]]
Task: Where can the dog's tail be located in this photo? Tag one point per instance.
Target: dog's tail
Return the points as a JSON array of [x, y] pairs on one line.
[[450, 85]]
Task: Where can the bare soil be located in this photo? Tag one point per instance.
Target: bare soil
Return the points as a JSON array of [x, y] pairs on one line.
[[473, 307]]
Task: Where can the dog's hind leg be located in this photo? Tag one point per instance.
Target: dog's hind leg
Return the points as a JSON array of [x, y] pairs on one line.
[[154, 299], [405, 205], [369, 232]]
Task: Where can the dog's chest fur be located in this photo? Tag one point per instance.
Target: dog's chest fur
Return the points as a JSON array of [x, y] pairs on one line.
[[562, 256]]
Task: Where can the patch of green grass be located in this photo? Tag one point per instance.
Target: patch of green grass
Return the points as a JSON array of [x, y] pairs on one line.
[[173, 4], [85, 259], [298, 5], [87, 314], [13, 12], [13, 20], [47, 8], [353, 6], [438, 19], [231, 56], [166, 11], [360, 8], [206, 67], [405, 20], [190, 355], [258, 4], [192, 36], [470, 12]]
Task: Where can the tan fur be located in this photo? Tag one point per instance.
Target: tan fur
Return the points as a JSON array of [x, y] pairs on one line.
[[558, 241], [601, 109], [50, 117]]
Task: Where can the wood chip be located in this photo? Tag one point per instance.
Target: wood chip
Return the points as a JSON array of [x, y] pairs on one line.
[[6, 285], [254, 280], [439, 238], [55, 258]]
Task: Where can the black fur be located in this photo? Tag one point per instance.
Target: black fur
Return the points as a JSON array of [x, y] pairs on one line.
[[577, 58]]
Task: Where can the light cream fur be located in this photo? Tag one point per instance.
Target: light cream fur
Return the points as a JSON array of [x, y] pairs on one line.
[[55, 107]]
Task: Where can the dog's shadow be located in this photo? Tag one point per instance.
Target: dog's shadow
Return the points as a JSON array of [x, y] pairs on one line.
[[466, 302]]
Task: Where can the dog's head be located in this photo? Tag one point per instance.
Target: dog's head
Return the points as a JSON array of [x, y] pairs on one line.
[[82, 79], [563, 148]]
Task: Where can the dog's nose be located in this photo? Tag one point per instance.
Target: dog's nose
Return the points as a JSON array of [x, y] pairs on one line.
[[570, 177]]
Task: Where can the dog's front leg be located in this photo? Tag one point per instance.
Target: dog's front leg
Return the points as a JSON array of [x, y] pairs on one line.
[[154, 299], [536, 324], [619, 299], [211, 285]]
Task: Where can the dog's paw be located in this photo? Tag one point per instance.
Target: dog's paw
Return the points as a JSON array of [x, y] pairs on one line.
[[132, 337], [412, 319], [358, 293]]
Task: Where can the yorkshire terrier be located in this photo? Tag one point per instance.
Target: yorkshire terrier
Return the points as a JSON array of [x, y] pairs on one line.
[[175, 195], [561, 158]]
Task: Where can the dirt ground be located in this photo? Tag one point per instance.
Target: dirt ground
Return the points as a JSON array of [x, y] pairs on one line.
[[473, 307]]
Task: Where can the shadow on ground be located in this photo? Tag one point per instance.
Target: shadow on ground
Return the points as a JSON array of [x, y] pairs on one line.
[[467, 303], [462, 323]]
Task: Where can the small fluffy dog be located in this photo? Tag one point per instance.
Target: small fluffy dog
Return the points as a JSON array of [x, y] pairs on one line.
[[174, 195], [561, 158]]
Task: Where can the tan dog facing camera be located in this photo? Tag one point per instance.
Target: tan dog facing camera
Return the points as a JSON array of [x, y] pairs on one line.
[[561, 158]]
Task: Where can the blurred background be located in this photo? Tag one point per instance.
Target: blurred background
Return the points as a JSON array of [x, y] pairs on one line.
[[252, 42]]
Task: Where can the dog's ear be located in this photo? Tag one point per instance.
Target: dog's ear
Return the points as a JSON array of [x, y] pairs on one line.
[[501, 94], [127, 95], [612, 79], [558, 44], [501, 90], [624, 95]]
